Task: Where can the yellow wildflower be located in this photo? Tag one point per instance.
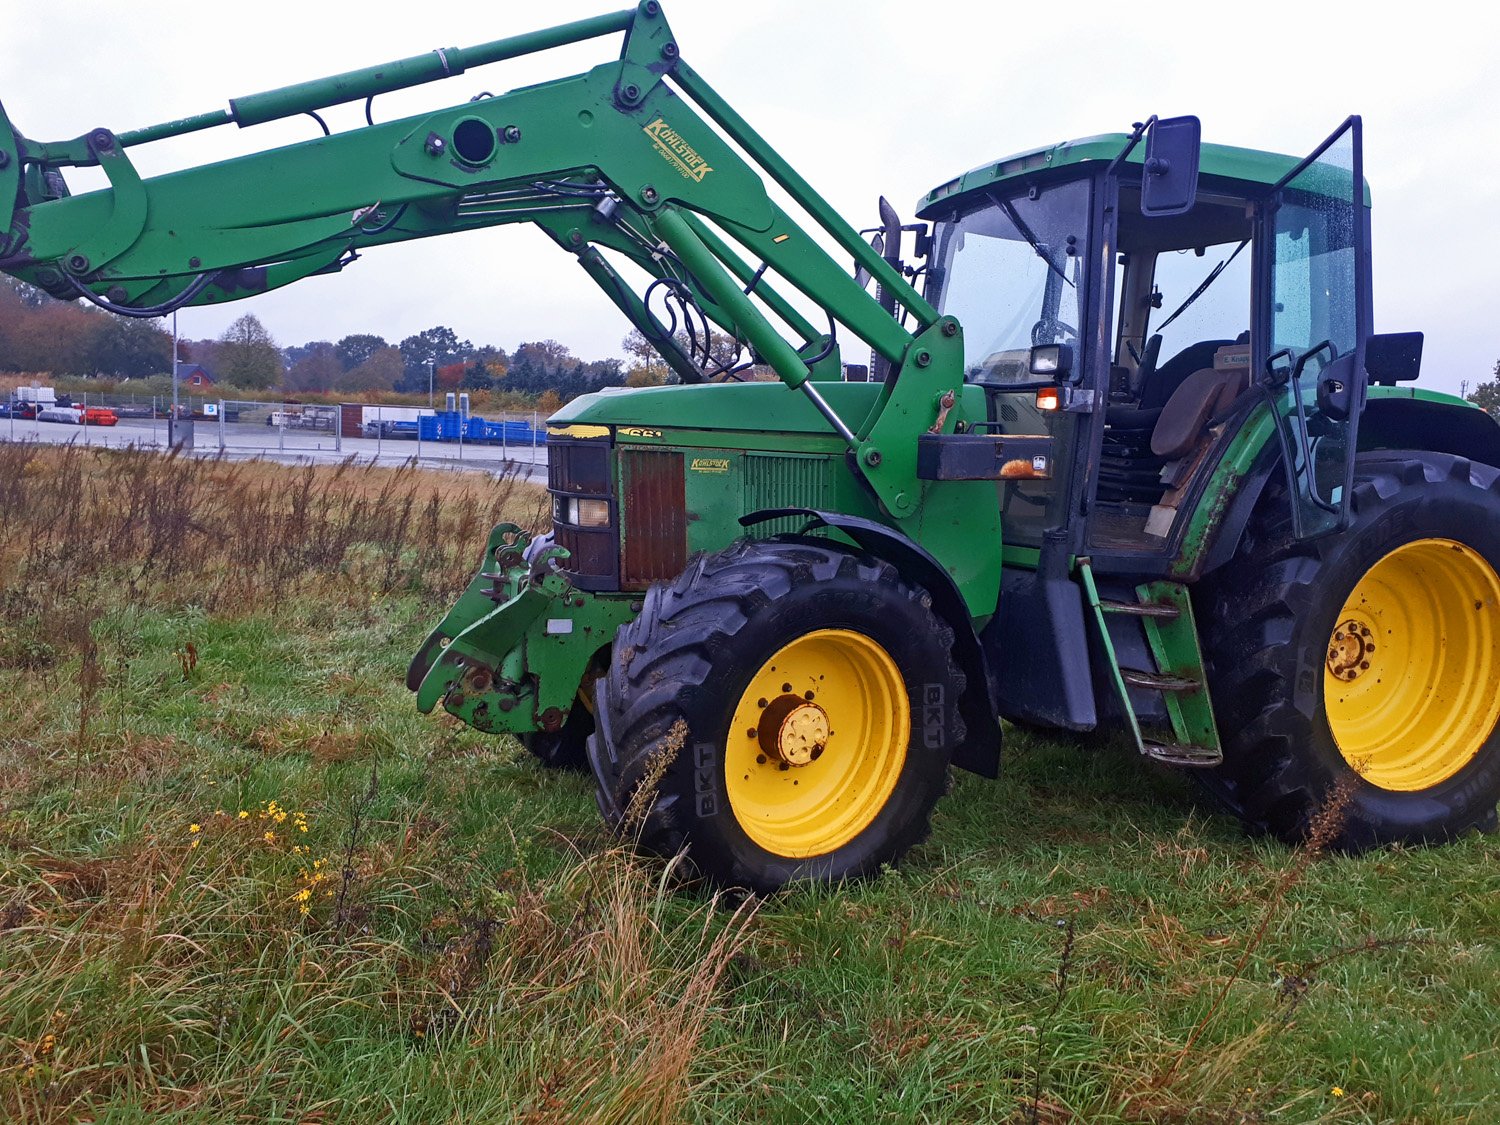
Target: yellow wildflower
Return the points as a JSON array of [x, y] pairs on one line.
[[195, 828], [196, 842], [269, 837], [244, 815], [1338, 1091]]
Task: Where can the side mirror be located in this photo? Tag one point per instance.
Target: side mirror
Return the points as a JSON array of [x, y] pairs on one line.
[[1393, 357], [1169, 179]]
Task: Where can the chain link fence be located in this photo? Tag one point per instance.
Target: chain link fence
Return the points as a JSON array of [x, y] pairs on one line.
[[240, 429]]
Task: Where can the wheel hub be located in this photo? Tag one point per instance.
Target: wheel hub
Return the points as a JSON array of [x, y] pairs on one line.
[[1350, 649], [793, 730]]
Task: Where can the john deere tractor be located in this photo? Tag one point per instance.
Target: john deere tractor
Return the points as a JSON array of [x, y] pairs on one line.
[[1126, 455]]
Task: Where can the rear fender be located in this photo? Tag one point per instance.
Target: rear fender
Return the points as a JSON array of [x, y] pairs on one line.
[[1391, 419], [1398, 419]]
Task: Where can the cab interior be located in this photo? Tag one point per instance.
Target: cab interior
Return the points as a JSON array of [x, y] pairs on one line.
[[1180, 368]]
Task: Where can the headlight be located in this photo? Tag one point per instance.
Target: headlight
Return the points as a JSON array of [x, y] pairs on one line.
[[581, 513]]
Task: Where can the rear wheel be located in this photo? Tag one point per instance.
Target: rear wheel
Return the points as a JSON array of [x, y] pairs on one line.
[[784, 710], [1367, 659]]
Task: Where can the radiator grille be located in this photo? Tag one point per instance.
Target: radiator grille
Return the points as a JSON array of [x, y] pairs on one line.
[[779, 480], [655, 517]]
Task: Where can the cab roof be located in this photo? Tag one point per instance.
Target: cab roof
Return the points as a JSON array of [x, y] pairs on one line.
[[1226, 161]]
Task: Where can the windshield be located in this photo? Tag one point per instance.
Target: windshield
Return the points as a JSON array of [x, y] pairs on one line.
[[1011, 271]]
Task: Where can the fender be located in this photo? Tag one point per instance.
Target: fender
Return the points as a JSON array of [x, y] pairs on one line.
[[1392, 419], [980, 751]]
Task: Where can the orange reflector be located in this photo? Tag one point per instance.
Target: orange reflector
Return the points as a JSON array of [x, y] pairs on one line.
[[1048, 398]]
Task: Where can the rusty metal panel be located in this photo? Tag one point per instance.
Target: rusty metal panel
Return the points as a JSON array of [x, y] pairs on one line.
[[654, 519]]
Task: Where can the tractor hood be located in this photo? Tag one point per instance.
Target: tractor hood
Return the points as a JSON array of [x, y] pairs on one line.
[[744, 407]]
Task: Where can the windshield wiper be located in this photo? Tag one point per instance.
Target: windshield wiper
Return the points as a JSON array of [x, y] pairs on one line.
[[1020, 224], [1203, 287]]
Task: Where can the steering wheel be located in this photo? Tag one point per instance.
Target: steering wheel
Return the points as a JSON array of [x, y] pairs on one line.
[[1061, 333]]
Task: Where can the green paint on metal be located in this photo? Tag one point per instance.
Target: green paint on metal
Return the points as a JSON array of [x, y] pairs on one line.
[[722, 114], [748, 277], [1174, 644], [909, 404], [1228, 476], [741, 408], [510, 654], [1232, 163], [1027, 558], [713, 276], [1091, 591], [1422, 394]]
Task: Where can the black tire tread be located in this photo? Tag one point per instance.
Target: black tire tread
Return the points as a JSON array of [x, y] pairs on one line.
[[1270, 584], [664, 656]]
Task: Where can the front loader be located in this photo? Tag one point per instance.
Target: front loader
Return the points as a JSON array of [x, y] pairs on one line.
[[1133, 458]]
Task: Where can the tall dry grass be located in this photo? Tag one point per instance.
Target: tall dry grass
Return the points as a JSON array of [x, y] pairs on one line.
[[342, 951], [136, 525]]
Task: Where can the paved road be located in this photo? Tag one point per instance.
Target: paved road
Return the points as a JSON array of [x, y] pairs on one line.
[[287, 446]]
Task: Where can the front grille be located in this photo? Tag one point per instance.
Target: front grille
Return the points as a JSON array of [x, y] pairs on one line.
[[654, 519]]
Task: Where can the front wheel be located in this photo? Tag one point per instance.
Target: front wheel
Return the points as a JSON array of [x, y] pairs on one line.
[[1366, 660], [564, 748], [785, 710]]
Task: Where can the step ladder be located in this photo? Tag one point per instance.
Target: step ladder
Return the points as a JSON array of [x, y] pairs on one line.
[[1166, 613]]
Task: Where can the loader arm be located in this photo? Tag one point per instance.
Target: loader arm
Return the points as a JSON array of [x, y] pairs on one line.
[[637, 158]]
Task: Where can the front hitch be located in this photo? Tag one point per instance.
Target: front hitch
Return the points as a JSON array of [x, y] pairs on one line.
[[511, 653]]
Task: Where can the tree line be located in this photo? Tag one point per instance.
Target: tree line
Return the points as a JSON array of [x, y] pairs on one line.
[[436, 358], [41, 334], [1486, 396]]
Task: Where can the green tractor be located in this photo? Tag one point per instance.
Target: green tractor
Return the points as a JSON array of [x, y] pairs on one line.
[[1127, 456]]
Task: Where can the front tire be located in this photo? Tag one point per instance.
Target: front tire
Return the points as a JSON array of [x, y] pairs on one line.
[[1366, 660], [567, 747], [785, 710]]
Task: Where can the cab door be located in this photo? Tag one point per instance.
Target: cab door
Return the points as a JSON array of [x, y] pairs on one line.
[[1315, 285]]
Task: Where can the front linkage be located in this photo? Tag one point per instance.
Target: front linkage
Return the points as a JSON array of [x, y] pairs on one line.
[[511, 653]]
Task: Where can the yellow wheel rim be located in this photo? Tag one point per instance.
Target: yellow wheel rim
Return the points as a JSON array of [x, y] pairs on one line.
[[817, 743], [1409, 679]]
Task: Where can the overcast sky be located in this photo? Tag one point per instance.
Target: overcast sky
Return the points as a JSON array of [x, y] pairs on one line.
[[864, 98]]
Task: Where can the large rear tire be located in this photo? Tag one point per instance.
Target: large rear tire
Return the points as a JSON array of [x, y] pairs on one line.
[[784, 710], [1367, 660]]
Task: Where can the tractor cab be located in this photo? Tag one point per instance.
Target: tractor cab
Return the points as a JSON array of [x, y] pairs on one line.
[[1140, 334]]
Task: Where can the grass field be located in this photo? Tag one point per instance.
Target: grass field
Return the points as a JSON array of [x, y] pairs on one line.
[[240, 878]]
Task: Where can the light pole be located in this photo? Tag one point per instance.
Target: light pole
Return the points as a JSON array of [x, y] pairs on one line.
[[429, 384], [174, 420]]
